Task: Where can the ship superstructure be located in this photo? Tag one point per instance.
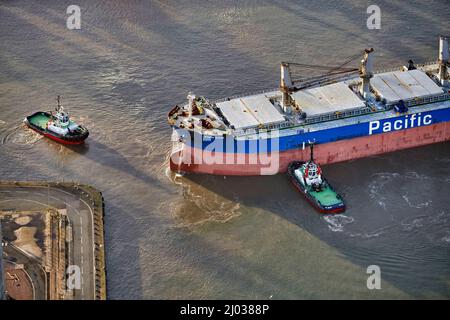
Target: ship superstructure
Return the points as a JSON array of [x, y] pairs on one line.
[[348, 116]]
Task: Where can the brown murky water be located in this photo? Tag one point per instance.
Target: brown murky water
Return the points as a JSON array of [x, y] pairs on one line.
[[217, 237]]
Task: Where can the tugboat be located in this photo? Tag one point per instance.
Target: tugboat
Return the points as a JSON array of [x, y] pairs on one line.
[[57, 126], [307, 178]]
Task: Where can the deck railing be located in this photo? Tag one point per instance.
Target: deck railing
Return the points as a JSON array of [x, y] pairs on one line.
[[329, 117], [426, 100], [245, 95], [421, 65]]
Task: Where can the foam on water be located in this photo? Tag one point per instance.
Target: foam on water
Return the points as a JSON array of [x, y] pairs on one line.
[[446, 239], [336, 223], [20, 136], [418, 205], [377, 185]]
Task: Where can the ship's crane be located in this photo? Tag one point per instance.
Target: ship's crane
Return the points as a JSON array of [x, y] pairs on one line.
[[330, 72], [443, 61], [292, 79]]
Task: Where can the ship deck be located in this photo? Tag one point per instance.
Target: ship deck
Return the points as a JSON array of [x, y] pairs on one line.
[[329, 105], [251, 111], [332, 105], [346, 106], [379, 115], [336, 97], [404, 85]]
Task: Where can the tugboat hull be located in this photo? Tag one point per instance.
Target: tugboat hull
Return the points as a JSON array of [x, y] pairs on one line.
[[337, 206], [38, 122]]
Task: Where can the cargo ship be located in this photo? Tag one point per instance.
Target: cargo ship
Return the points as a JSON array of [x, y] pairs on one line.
[[307, 177], [57, 126], [348, 112]]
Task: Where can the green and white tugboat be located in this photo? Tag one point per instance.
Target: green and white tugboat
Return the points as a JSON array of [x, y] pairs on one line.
[[57, 126], [307, 178]]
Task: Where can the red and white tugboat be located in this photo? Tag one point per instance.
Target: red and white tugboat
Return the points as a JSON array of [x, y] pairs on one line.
[[308, 179], [58, 126]]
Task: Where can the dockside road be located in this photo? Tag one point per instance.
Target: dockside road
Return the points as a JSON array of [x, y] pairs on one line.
[[85, 210]]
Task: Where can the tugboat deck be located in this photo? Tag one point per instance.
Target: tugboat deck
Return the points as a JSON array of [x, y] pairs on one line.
[[39, 120], [327, 197]]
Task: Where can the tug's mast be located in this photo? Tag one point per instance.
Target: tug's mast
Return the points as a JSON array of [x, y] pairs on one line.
[[58, 99]]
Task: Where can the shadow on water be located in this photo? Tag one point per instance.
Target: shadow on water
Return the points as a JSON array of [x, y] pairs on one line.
[[413, 260], [124, 280], [234, 276], [81, 149], [106, 156], [381, 42]]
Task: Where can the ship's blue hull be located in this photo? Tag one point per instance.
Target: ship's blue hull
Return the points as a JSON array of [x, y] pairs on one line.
[[301, 137]]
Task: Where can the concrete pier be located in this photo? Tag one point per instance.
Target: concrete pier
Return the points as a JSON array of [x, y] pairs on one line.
[[2, 281], [55, 238]]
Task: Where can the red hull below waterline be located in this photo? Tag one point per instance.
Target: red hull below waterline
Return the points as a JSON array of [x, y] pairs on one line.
[[54, 138], [190, 160]]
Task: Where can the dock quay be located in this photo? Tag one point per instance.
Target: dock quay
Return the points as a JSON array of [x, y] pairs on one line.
[[53, 240]]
